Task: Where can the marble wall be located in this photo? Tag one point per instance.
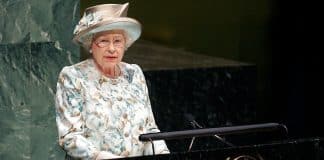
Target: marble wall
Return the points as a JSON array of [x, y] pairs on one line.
[[38, 21], [27, 118], [35, 43]]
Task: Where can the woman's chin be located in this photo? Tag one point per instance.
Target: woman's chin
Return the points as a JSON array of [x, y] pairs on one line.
[[109, 65]]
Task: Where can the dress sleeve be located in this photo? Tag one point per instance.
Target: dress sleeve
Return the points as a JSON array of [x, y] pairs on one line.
[[70, 123], [160, 146]]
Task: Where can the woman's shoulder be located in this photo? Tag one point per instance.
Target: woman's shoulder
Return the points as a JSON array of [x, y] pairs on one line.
[[76, 69], [133, 72], [129, 66]]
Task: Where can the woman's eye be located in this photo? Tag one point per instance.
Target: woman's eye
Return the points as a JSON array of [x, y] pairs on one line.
[[104, 40], [117, 40]]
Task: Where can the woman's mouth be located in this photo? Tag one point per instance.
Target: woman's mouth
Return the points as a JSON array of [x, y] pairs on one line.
[[110, 58]]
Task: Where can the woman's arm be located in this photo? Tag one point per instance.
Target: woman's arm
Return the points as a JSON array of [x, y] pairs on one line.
[[69, 120], [160, 146]]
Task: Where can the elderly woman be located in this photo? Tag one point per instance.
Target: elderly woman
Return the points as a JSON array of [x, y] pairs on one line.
[[102, 103]]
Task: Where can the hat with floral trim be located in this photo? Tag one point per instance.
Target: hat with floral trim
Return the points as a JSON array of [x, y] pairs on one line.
[[106, 17]]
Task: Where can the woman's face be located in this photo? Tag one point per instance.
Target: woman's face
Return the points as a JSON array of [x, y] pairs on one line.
[[108, 48]]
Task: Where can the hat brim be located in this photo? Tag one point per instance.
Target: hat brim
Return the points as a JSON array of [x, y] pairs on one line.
[[131, 27]]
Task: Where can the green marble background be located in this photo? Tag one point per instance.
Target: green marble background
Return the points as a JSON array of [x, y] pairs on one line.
[[27, 118], [35, 43]]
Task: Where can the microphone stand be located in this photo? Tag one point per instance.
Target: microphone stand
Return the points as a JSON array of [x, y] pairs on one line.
[[195, 125], [193, 138]]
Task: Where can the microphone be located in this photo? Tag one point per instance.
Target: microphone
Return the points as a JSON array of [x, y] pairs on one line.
[[192, 120], [195, 125]]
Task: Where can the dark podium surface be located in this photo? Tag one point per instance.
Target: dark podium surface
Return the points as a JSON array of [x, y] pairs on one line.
[[298, 149]]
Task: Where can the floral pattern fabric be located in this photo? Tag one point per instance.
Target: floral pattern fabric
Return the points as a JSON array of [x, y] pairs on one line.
[[95, 113]]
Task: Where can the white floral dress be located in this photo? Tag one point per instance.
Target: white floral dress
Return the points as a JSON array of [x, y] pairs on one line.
[[95, 113]]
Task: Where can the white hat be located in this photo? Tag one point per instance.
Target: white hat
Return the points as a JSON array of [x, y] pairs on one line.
[[106, 17]]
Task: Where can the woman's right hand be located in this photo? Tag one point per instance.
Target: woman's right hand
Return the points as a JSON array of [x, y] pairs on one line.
[[106, 155]]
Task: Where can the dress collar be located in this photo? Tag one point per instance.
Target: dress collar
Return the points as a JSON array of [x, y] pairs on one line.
[[127, 73]]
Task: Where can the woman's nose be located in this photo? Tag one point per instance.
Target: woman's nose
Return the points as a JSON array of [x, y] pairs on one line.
[[111, 48]]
